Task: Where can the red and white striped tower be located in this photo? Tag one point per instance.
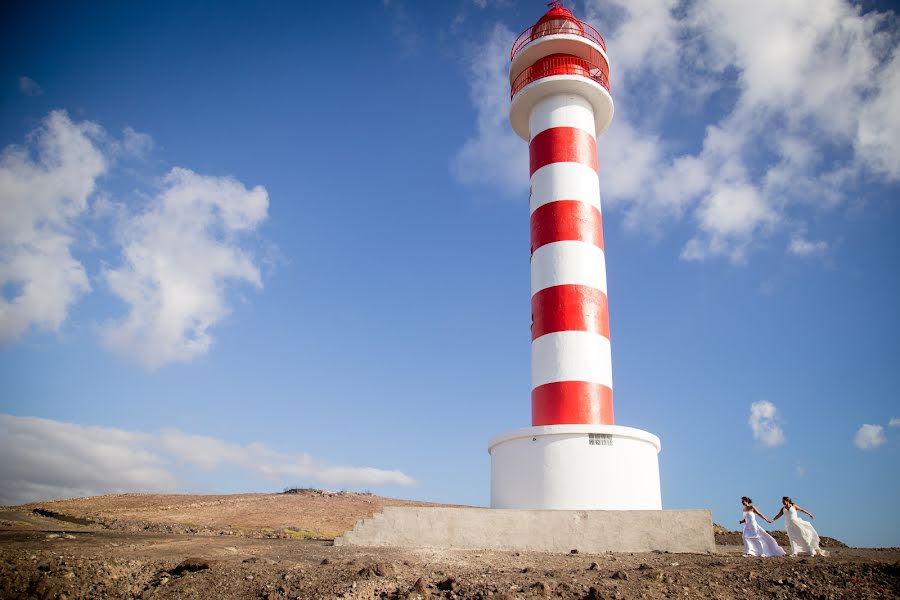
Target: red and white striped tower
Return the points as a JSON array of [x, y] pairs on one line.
[[573, 456]]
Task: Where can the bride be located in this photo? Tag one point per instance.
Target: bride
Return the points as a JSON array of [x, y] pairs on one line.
[[757, 541], [802, 534]]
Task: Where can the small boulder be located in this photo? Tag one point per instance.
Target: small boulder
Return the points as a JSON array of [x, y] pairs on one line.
[[448, 585], [189, 565]]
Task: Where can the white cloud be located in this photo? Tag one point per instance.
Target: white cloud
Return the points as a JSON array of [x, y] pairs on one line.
[[800, 246], [178, 257], [495, 155], [792, 60], [644, 36], [207, 452], [135, 143], [894, 423], [403, 27], [766, 86], [877, 136], [29, 86], [44, 459], [869, 436], [765, 424], [44, 188], [179, 254], [728, 220]]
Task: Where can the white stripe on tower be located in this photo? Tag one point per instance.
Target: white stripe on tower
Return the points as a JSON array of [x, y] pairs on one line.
[[562, 110], [570, 352], [565, 180], [570, 356], [568, 262]]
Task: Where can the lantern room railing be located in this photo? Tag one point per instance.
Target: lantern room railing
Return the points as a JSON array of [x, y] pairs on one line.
[[578, 28], [557, 64]]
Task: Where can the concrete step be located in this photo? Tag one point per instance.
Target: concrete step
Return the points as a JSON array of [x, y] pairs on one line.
[[591, 531]]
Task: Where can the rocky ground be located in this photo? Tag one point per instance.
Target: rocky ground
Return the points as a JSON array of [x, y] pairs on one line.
[[90, 550]]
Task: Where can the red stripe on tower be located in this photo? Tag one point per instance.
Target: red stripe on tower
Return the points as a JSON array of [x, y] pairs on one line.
[[571, 402], [569, 308], [561, 220], [562, 144]]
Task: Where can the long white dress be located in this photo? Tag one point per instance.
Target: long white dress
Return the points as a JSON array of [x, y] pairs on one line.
[[803, 536], [757, 541]]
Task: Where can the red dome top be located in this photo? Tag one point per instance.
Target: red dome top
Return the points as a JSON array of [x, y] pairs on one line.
[[559, 20], [557, 12]]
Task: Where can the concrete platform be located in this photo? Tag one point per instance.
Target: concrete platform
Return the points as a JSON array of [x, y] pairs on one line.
[[591, 531]]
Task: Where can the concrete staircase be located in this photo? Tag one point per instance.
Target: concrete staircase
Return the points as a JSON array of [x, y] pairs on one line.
[[591, 531]]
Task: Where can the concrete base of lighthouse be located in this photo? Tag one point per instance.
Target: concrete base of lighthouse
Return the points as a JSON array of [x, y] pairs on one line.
[[600, 482], [575, 467]]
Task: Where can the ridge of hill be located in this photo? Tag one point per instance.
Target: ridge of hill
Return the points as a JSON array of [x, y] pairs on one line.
[[305, 513]]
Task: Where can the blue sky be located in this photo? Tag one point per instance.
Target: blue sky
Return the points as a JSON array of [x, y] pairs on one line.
[[250, 246]]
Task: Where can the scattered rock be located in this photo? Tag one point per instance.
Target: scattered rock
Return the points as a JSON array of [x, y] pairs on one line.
[[573, 551], [543, 588], [622, 575], [594, 594], [420, 589], [448, 585], [595, 566], [189, 565]]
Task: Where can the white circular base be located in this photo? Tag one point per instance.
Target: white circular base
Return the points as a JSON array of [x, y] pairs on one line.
[[575, 467]]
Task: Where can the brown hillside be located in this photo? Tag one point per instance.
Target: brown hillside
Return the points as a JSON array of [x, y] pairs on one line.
[[306, 513]]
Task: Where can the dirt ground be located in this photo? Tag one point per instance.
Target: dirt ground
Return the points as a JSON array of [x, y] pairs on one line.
[[141, 546]]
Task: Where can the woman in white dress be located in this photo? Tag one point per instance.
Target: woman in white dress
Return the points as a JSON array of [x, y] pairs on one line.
[[803, 536], [757, 541]]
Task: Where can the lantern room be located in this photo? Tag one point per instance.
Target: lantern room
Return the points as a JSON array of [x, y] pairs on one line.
[[566, 52]]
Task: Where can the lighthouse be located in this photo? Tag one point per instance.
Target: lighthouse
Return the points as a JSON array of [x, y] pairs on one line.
[[573, 456], [600, 480]]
